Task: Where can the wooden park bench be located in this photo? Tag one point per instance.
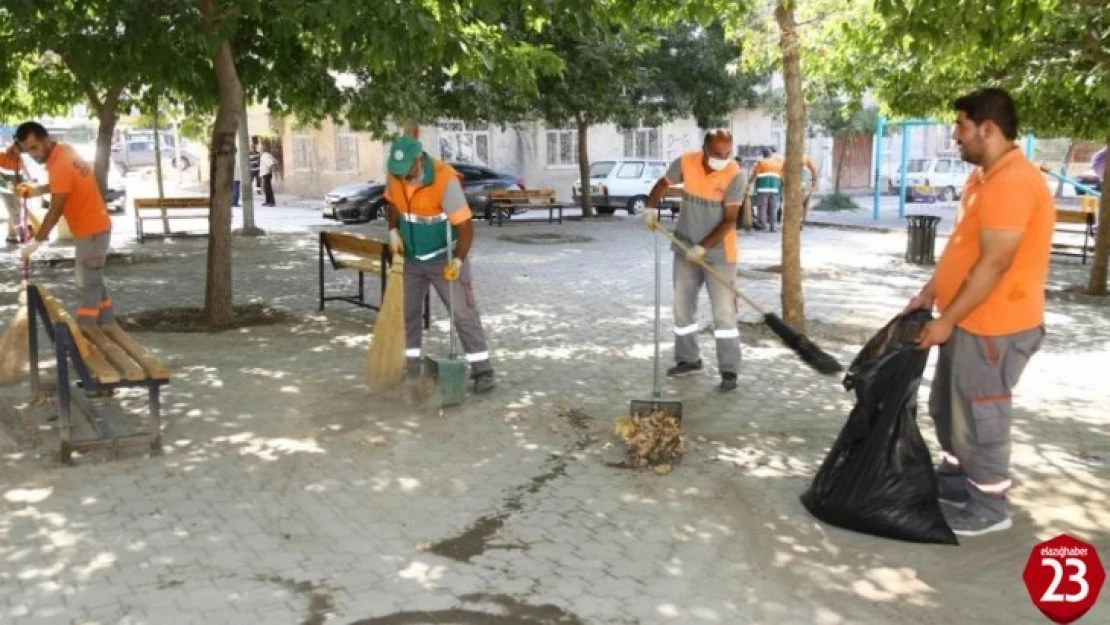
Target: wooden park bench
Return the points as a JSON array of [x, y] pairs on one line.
[[1077, 222], [352, 252], [505, 203], [104, 358], [170, 209]]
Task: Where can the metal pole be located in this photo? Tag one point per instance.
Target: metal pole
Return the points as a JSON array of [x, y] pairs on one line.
[[1029, 142], [905, 162], [878, 158]]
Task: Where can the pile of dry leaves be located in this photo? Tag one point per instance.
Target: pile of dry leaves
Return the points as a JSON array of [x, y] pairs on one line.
[[654, 439]]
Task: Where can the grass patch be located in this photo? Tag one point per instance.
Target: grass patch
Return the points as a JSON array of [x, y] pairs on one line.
[[836, 202]]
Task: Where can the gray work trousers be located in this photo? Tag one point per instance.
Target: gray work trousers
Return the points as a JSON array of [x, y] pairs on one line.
[[468, 324], [688, 280], [94, 305], [970, 403], [766, 207]]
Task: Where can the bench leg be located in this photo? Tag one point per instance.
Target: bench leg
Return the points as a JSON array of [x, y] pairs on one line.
[[361, 287], [321, 276], [65, 422], [156, 416]]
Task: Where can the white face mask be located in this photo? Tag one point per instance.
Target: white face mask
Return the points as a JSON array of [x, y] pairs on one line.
[[717, 164]]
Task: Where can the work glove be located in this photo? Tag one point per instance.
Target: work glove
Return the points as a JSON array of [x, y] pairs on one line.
[[651, 218], [452, 269], [396, 245], [29, 249], [696, 254], [27, 189]]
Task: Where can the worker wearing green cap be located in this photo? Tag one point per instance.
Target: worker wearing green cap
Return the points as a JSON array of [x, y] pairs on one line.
[[426, 195]]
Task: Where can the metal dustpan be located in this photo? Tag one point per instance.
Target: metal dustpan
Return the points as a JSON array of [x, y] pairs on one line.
[[656, 403], [450, 372]]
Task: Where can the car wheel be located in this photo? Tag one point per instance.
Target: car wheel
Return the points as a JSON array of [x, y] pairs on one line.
[[377, 209], [637, 205], [947, 194]]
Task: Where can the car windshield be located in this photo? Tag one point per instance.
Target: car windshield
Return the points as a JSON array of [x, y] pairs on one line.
[[916, 165], [601, 169]]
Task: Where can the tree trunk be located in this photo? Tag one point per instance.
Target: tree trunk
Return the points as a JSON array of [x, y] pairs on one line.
[[218, 310], [106, 127], [840, 160], [584, 165], [1097, 284], [793, 307], [246, 188], [158, 155], [1064, 168]]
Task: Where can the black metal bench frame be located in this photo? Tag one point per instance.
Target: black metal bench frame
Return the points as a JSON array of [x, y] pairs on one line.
[[66, 353]]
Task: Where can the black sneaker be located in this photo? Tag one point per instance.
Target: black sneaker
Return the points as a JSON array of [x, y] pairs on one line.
[[484, 382], [728, 382], [683, 368]]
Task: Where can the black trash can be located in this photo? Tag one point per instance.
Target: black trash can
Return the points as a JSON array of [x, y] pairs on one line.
[[921, 239]]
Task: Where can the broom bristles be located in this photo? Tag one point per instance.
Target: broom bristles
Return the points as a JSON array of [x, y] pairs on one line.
[[14, 346], [385, 363]]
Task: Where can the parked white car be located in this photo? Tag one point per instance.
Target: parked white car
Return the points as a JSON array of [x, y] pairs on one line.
[[940, 178], [621, 184]]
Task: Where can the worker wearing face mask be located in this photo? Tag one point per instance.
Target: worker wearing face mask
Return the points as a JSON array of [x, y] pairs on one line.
[[713, 190]]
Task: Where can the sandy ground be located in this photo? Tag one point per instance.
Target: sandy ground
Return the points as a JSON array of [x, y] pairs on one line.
[[287, 493]]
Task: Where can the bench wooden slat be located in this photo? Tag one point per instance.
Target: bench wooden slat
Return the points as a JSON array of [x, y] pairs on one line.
[[364, 247], [152, 366], [365, 266], [131, 370], [1071, 217], [171, 203], [58, 313]]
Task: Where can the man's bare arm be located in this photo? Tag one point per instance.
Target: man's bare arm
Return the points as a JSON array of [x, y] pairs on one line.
[[998, 250], [657, 192], [466, 238]]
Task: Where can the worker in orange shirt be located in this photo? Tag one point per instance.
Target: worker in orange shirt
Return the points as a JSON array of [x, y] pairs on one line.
[[809, 183], [767, 180], [74, 194], [989, 289]]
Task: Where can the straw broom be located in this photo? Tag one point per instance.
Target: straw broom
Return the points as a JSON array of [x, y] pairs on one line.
[[14, 344], [385, 363]]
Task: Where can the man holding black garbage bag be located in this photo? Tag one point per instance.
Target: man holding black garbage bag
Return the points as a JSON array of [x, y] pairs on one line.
[[988, 287]]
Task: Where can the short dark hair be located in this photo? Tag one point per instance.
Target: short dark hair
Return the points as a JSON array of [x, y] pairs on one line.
[[26, 129], [766, 152], [990, 104], [714, 134]]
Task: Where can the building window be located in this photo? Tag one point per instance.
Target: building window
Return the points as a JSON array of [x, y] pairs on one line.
[[562, 147], [304, 149], [641, 143], [346, 149], [464, 143]]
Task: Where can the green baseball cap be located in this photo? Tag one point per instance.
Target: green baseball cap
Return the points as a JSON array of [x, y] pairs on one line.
[[402, 154]]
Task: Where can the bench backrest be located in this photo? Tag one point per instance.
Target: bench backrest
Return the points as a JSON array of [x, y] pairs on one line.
[[171, 203], [1073, 217], [353, 244], [525, 196]]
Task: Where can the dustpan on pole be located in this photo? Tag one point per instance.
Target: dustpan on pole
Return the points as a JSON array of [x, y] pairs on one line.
[[449, 372]]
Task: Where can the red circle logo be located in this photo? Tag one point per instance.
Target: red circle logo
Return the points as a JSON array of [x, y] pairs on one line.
[[1063, 577]]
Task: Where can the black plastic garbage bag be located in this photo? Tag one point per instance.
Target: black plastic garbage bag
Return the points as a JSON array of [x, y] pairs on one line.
[[878, 477]]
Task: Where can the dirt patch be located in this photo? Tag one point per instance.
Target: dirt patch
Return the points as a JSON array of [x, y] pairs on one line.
[[1077, 293], [756, 332], [186, 320], [320, 602], [544, 238], [509, 612], [17, 433], [815, 274]]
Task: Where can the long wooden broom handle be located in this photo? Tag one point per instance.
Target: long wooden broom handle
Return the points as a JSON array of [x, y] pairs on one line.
[[711, 271]]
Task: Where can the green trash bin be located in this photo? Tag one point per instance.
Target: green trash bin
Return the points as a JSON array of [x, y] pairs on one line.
[[921, 239]]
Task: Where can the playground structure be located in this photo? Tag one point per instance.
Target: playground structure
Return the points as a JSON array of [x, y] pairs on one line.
[[1029, 148]]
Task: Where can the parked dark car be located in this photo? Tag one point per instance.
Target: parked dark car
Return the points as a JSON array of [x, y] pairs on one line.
[[361, 202], [358, 202], [479, 180]]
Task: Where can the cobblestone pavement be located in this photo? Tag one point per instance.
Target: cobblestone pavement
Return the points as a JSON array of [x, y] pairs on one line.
[[288, 494]]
